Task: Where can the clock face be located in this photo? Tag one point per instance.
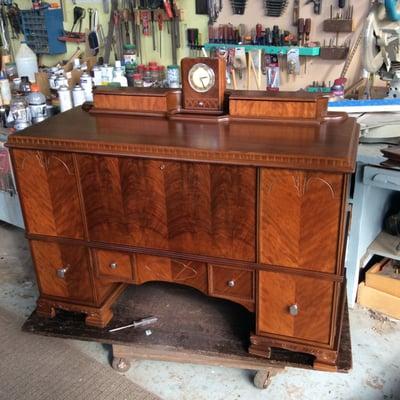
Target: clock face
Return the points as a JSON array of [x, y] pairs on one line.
[[201, 78]]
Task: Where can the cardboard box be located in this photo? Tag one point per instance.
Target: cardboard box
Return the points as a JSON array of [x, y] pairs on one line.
[[379, 301], [381, 276]]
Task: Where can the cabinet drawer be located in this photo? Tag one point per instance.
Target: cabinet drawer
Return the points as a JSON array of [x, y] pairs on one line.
[[295, 306], [63, 271], [114, 265], [232, 283], [184, 272]]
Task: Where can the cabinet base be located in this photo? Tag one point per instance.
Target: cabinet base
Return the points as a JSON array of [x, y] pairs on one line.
[[95, 316], [325, 359]]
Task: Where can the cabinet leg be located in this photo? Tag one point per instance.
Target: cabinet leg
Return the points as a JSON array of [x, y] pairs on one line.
[[45, 309], [99, 318]]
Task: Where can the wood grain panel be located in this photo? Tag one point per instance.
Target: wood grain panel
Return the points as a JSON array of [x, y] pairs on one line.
[[102, 195], [277, 292], [49, 193], [142, 189], [152, 268], [188, 207], [275, 109], [114, 265], [49, 257], [300, 219], [131, 103]]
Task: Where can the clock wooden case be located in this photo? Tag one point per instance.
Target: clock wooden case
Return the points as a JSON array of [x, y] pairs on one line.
[[209, 99]]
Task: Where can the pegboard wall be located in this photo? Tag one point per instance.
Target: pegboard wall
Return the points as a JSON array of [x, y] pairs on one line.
[[312, 68]]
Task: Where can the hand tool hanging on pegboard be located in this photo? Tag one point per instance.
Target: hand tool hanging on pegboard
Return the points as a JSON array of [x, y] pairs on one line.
[[317, 5], [110, 34], [275, 8], [238, 6], [214, 8]]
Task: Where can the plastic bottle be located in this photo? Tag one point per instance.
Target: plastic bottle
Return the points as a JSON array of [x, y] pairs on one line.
[[119, 75], [20, 112], [37, 104], [26, 62], [5, 90]]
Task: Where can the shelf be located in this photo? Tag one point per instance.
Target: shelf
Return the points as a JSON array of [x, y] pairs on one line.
[[304, 51], [386, 245]]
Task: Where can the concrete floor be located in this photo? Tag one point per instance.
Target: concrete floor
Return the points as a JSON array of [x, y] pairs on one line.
[[375, 340]]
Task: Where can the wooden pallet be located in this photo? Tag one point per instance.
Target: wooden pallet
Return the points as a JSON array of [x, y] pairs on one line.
[[191, 327]]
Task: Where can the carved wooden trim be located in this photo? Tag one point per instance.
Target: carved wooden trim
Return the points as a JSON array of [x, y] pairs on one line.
[[151, 151]]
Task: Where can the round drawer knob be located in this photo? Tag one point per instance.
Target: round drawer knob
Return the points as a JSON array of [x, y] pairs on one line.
[[62, 271], [162, 167], [231, 283], [294, 309], [113, 265]]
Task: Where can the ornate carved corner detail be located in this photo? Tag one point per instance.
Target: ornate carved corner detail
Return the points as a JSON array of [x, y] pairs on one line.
[[325, 182], [185, 267]]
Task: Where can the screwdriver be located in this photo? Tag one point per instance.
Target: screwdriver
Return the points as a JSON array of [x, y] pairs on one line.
[[136, 324], [160, 21], [300, 31], [307, 29]]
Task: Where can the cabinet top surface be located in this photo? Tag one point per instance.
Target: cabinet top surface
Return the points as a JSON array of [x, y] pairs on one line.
[[329, 146]]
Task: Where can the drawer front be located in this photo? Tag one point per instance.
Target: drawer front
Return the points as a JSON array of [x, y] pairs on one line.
[[300, 219], [113, 265], [295, 306], [232, 283], [63, 271], [153, 268]]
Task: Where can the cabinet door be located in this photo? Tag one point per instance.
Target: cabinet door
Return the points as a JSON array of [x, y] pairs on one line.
[[300, 214], [63, 271], [179, 206], [295, 306], [49, 194]]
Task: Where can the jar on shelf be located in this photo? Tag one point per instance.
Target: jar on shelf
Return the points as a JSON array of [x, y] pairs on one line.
[[173, 76], [20, 112], [155, 76], [137, 80], [129, 56], [161, 74], [147, 79]]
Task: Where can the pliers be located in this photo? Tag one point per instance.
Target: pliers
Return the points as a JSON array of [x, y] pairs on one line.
[[317, 5]]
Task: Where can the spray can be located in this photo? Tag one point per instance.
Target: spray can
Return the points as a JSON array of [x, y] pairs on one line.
[[64, 94], [78, 96], [86, 84]]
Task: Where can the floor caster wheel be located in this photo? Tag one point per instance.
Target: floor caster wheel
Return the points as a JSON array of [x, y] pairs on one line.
[[120, 364], [263, 378]]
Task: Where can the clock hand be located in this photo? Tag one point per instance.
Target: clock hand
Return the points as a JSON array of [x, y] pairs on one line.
[[201, 80]]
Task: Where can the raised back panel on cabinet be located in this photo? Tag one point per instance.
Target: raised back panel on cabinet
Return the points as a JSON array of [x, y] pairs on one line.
[[300, 214], [179, 206], [49, 193], [313, 298]]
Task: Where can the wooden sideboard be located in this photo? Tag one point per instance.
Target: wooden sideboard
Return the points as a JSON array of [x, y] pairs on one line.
[[254, 212]]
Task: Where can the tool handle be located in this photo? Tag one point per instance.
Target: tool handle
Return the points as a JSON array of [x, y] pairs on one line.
[[342, 3]]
